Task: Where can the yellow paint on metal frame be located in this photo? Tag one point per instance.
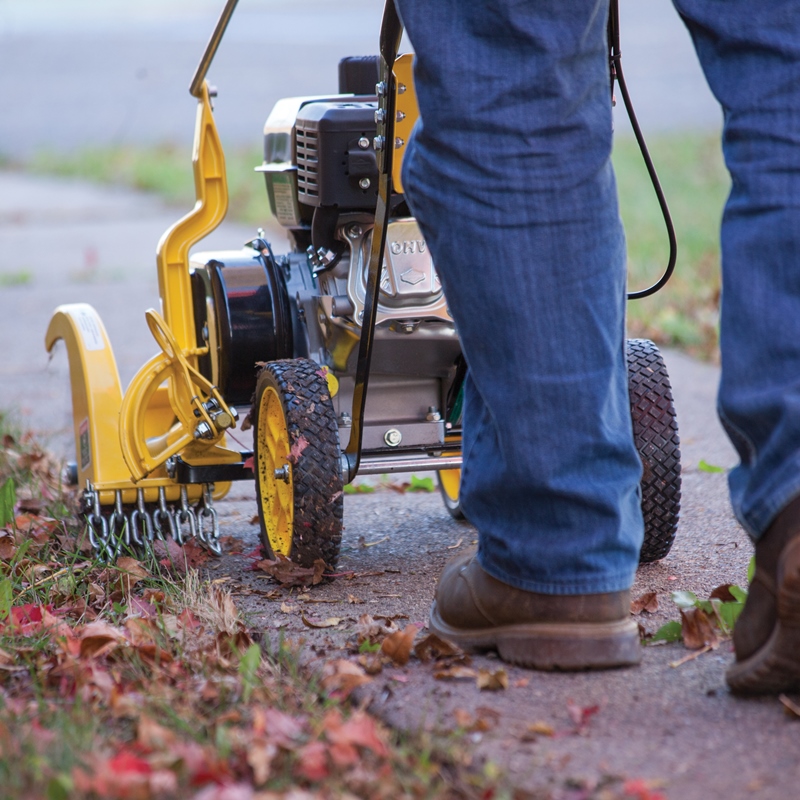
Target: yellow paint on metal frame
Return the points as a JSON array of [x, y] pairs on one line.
[[407, 112]]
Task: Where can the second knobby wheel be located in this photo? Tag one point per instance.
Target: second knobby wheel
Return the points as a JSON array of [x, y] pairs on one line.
[[655, 431], [297, 463]]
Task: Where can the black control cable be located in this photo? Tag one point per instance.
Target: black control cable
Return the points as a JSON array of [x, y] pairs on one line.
[[615, 67]]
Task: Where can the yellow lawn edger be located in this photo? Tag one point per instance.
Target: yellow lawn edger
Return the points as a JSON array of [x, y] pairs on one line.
[[296, 338]]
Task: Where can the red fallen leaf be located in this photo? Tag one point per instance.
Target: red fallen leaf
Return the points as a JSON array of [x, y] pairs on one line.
[[248, 462], [297, 449], [127, 762], [189, 621], [280, 728], [640, 790], [141, 608], [229, 791], [360, 730], [232, 544], [397, 646], [581, 715], [195, 555], [312, 762], [647, 602], [343, 754], [697, 629]]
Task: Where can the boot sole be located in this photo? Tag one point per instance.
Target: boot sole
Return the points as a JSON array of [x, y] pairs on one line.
[[568, 646], [775, 667]]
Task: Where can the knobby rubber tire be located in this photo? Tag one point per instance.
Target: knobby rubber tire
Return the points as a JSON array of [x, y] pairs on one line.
[[314, 460], [452, 504], [655, 431]]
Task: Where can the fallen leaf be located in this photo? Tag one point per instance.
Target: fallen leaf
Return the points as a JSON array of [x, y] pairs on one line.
[[341, 676], [581, 715], [492, 681], [397, 646], [647, 602], [539, 728], [434, 647], [697, 629], [289, 609], [360, 730], [521, 683], [287, 573], [351, 598], [312, 762], [455, 672], [297, 449], [723, 593], [330, 622], [99, 638]]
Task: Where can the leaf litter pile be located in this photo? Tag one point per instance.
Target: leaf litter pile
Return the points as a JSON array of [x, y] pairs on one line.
[[141, 681]]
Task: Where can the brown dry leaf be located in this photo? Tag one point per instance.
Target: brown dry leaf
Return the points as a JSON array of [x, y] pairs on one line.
[[286, 608], [697, 629], [485, 719], [723, 593], [287, 573], [434, 647], [195, 555], [342, 676], [791, 709], [539, 728], [98, 638], [152, 736], [351, 598], [647, 602], [455, 672], [131, 572], [260, 755], [397, 646], [371, 662], [232, 544], [361, 730], [492, 681], [8, 546], [369, 629], [330, 622]]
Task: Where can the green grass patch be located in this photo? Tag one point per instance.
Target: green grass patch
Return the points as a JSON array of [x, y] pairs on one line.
[[685, 313], [165, 170]]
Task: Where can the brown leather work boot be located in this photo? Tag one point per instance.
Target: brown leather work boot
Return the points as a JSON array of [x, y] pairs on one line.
[[766, 637], [567, 632]]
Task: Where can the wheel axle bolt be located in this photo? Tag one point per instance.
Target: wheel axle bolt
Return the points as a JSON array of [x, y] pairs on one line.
[[282, 474], [393, 437]]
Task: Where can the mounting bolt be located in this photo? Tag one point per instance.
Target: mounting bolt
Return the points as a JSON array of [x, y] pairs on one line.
[[345, 420], [378, 142], [400, 116], [203, 431], [393, 437], [354, 231], [364, 183], [433, 414], [363, 143], [398, 143], [380, 88], [401, 88], [380, 115], [282, 474]]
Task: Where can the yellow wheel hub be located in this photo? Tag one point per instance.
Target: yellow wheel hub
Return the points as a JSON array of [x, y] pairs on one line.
[[450, 480], [276, 493]]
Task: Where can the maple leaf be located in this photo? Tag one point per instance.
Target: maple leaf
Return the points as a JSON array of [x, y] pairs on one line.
[[99, 638], [433, 647], [287, 573], [492, 680]]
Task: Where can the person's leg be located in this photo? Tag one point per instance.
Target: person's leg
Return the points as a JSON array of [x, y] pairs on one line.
[[510, 177], [751, 56]]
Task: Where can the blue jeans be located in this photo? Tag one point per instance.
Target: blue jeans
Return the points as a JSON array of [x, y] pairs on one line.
[[509, 174]]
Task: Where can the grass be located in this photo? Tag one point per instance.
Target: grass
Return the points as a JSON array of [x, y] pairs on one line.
[[140, 680], [684, 314]]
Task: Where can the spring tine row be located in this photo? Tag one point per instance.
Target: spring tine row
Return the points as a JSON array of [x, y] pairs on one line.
[[140, 527]]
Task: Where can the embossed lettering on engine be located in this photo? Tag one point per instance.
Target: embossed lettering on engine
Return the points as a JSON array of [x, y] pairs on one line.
[[408, 276]]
